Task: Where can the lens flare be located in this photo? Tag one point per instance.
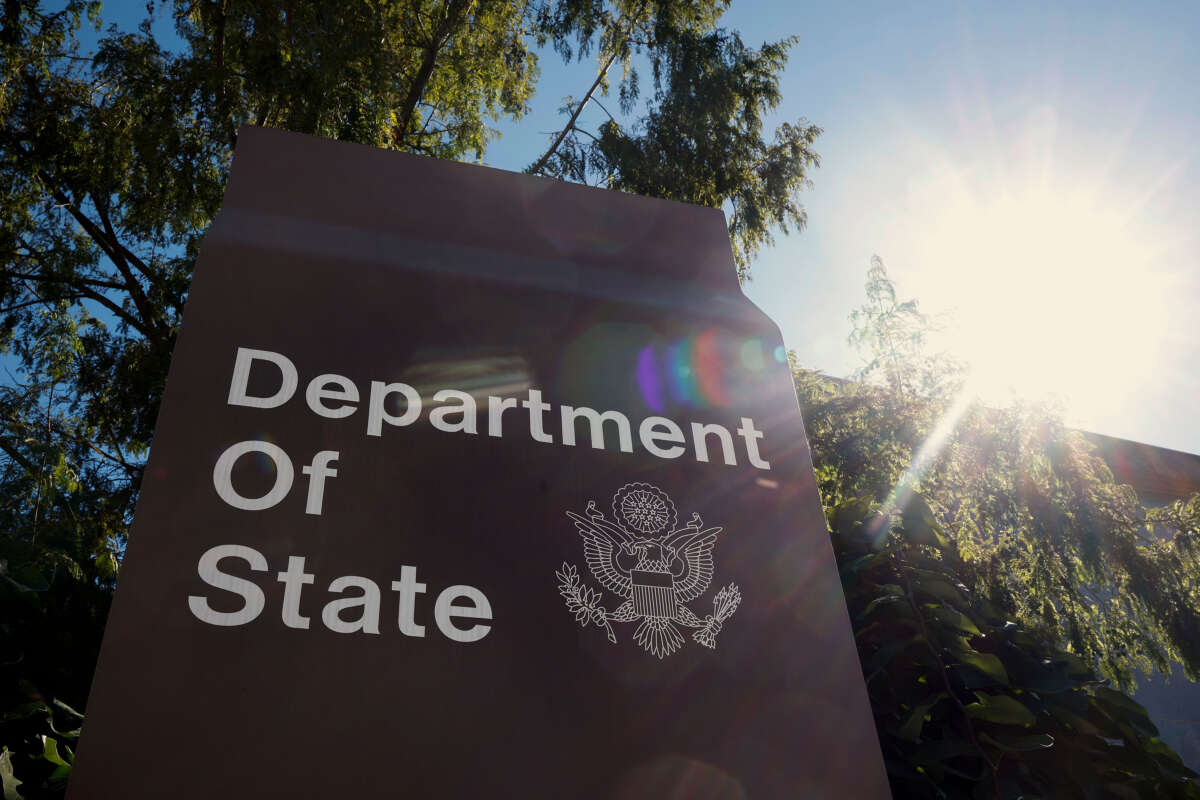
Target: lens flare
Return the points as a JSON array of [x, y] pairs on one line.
[[751, 353], [930, 449], [679, 373], [707, 367], [647, 379], [701, 371]]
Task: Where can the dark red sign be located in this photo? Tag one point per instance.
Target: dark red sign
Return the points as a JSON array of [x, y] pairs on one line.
[[473, 484]]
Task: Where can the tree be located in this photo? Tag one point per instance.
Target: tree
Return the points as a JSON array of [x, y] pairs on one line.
[[998, 578], [701, 142], [893, 337], [969, 703], [112, 166]]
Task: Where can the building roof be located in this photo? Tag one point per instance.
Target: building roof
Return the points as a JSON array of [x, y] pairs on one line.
[[1158, 475]]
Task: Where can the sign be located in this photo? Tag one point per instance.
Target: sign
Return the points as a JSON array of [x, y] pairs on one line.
[[473, 484]]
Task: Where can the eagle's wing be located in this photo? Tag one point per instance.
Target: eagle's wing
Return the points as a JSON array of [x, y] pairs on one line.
[[694, 551], [601, 544]]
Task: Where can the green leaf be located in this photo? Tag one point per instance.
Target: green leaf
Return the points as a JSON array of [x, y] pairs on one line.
[[1052, 680], [880, 601], [886, 652], [1074, 665], [1122, 708], [910, 729], [848, 514], [9, 781], [920, 526], [859, 564], [59, 704], [1020, 744], [1074, 720], [50, 752], [933, 584], [986, 663], [1001, 709], [25, 711], [955, 619]]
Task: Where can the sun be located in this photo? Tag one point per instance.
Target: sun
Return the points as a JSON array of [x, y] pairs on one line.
[[1054, 290]]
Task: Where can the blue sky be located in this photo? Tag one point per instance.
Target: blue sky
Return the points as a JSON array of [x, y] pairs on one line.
[[1031, 169], [933, 107]]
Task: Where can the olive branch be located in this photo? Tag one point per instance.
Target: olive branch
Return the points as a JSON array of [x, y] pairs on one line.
[[582, 601]]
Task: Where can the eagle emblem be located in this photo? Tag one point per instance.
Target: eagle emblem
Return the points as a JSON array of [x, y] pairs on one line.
[[653, 564]]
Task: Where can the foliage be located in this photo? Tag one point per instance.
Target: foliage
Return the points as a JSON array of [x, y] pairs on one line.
[[422, 76], [997, 577], [893, 334], [969, 703], [46, 624], [1045, 532], [702, 139]]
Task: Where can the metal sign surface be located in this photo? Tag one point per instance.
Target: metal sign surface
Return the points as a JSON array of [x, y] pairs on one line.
[[472, 484]]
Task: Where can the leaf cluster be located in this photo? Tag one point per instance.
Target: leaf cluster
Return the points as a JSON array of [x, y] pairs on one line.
[[701, 140], [892, 335], [47, 619], [967, 701], [1045, 532], [1003, 588]]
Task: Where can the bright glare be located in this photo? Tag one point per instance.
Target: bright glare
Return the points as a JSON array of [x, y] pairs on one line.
[[1053, 291]]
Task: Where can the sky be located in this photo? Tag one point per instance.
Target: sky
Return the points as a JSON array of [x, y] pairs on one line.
[[1029, 172]]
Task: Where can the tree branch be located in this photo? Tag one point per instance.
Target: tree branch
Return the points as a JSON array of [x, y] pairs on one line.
[[133, 286], [604, 108], [118, 459], [6, 273], [17, 456], [436, 42], [37, 302], [100, 238], [140, 265], [540, 164], [219, 59]]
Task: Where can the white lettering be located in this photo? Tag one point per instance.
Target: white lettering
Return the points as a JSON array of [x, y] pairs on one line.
[[241, 379], [223, 476], [496, 408], [317, 472], [536, 430], [318, 391], [294, 581], [408, 588], [445, 611], [255, 600], [466, 407], [699, 437], [596, 420], [368, 620], [752, 436], [656, 429], [454, 603], [377, 415], [333, 396]]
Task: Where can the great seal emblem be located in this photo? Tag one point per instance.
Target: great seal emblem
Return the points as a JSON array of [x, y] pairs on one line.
[[655, 565]]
